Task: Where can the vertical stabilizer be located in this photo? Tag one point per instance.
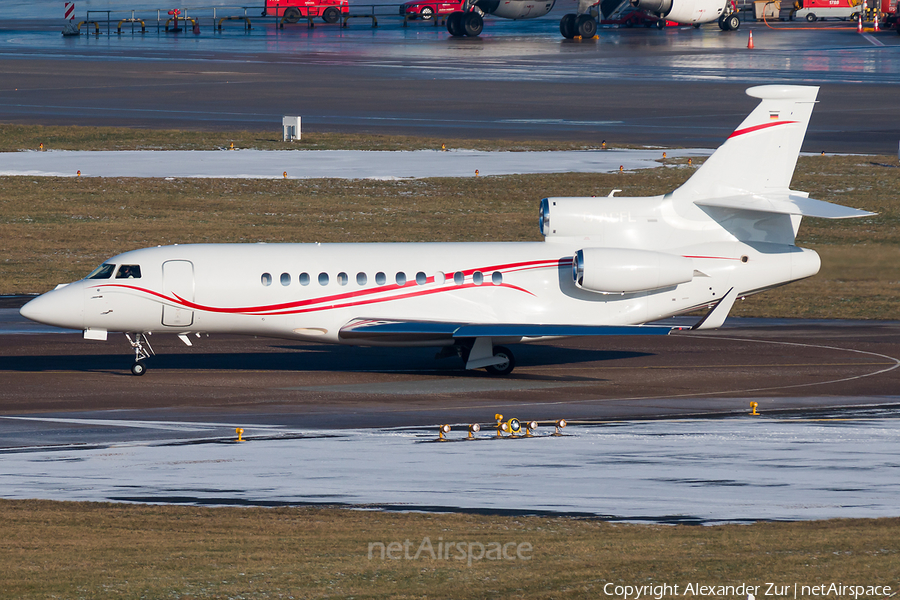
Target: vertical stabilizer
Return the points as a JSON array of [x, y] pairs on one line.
[[760, 156]]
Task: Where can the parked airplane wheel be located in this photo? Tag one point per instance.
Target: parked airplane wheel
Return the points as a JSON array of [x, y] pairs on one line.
[[427, 13], [587, 26], [504, 368], [660, 23], [455, 24], [722, 24], [473, 24], [331, 15], [733, 22], [567, 26], [811, 18], [138, 368], [292, 15]]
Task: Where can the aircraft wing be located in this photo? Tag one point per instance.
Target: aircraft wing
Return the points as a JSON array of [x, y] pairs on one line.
[[793, 204], [377, 330]]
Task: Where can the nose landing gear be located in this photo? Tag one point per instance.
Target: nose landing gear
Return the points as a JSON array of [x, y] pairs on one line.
[[142, 350]]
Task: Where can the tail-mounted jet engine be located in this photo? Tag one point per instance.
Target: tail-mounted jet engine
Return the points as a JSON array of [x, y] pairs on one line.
[[624, 270]]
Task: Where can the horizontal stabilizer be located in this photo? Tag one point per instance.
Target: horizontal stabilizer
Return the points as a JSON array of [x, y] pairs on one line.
[[422, 331], [786, 205]]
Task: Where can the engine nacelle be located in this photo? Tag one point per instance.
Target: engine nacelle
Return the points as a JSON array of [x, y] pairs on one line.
[[568, 217], [624, 270], [656, 7], [683, 11]]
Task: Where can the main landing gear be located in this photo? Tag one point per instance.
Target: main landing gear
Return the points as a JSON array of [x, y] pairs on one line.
[[572, 25], [480, 353], [461, 24], [142, 350], [729, 22]]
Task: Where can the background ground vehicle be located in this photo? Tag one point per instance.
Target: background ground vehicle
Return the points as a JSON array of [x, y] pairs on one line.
[[813, 10], [427, 9], [294, 10]]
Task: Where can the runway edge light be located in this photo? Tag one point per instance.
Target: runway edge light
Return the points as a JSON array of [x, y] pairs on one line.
[[560, 425], [240, 433], [753, 406], [473, 429], [443, 429]]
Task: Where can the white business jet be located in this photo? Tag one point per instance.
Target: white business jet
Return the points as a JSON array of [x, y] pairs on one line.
[[606, 267]]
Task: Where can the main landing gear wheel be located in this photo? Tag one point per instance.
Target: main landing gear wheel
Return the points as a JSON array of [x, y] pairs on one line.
[[455, 24], [587, 26], [660, 23], [473, 24], [331, 15], [138, 369], [292, 15], [504, 368], [567, 26]]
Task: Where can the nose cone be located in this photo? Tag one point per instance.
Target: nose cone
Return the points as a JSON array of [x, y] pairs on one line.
[[63, 307]]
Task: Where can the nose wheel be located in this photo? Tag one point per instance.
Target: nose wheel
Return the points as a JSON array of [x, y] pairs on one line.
[[142, 350]]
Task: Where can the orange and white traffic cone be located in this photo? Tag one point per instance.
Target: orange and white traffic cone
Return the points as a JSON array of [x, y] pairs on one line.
[[859, 27], [750, 41], [876, 27]]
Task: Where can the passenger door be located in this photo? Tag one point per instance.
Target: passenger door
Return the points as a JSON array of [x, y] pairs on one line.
[[178, 280]]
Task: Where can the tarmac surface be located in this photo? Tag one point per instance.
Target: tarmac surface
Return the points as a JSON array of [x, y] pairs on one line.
[[789, 365], [519, 80]]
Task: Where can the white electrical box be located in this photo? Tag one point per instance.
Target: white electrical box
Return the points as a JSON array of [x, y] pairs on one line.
[[291, 127]]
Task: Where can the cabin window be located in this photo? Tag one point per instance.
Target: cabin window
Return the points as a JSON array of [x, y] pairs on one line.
[[459, 278], [129, 272], [439, 277], [104, 271], [323, 278], [266, 279], [478, 277], [361, 279], [497, 278], [380, 278], [342, 278], [285, 279], [421, 278], [303, 279], [401, 278]]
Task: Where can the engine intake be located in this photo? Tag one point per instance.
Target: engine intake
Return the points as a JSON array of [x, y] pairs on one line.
[[624, 270]]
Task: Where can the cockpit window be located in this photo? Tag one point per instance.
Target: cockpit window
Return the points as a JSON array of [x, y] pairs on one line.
[[129, 272], [104, 271]]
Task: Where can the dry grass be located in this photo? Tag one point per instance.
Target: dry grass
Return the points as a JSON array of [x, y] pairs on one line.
[[88, 550], [58, 229], [15, 138]]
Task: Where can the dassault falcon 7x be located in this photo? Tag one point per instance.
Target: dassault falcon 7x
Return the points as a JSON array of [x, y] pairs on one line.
[[606, 266]]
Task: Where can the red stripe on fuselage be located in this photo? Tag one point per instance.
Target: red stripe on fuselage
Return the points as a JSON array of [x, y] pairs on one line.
[[303, 306]]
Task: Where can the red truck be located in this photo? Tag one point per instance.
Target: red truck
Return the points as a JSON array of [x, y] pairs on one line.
[[293, 10]]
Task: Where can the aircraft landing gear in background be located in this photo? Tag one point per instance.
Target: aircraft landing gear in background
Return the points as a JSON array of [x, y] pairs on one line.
[[506, 367], [729, 22], [461, 24], [584, 25], [567, 26], [141, 352]]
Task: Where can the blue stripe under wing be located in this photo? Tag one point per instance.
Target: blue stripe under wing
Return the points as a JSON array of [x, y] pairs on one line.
[[361, 329]]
